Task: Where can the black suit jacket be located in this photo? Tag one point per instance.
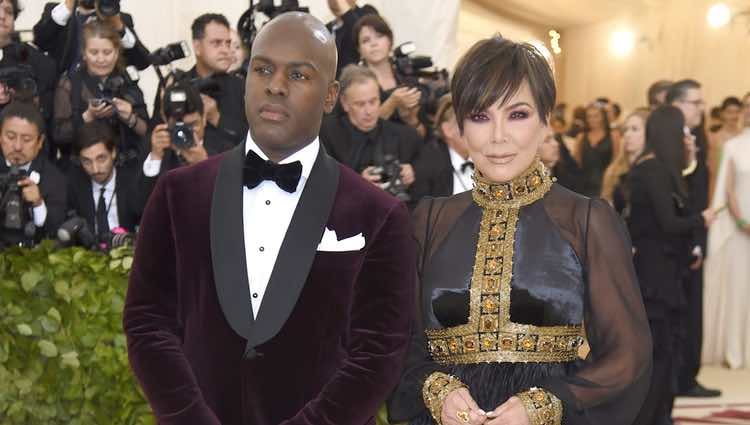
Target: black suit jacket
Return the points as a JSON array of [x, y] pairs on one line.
[[435, 170], [52, 188], [129, 206], [57, 41]]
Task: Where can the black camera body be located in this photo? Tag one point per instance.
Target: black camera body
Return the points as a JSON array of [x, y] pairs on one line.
[[104, 7], [16, 73], [12, 207], [390, 177], [246, 25], [412, 70], [76, 231], [169, 53], [181, 133]]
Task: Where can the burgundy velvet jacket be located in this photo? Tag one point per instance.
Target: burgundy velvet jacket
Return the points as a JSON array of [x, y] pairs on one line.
[[331, 335]]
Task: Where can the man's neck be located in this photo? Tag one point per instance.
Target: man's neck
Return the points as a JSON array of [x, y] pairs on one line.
[[279, 155], [203, 71], [5, 40]]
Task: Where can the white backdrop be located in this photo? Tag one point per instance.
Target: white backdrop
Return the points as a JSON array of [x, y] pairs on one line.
[[159, 22]]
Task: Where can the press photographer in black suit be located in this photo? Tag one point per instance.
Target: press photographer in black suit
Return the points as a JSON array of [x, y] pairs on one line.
[[347, 14], [100, 191], [362, 140], [23, 171], [224, 104], [21, 64], [184, 139], [448, 170], [59, 36]]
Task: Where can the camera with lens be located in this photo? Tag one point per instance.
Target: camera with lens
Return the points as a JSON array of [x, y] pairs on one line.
[[104, 7], [176, 106], [414, 71], [12, 207], [246, 25], [169, 53], [389, 171], [76, 231], [16, 73]]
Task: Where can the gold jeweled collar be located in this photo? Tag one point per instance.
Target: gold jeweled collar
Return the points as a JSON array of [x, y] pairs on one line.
[[525, 189], [490, 335]]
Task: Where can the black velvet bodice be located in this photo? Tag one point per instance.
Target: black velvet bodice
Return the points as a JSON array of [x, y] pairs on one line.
[[547, 284]]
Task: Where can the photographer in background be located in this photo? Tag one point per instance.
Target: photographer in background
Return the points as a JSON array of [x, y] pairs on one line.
[[397, 102], [347, 14], [100, 190], [381, 151], [25, 73], [212, 41], [183, 138], [100, 90], [32, 190], [59, 36]]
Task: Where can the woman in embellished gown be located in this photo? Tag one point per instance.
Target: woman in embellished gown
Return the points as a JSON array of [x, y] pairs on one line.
[[512, 270]]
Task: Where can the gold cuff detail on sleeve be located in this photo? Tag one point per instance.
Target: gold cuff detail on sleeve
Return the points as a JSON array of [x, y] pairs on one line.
[[436, 387], [542, 407]]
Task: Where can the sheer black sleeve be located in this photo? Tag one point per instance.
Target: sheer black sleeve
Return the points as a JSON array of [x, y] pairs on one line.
[[611, 384]]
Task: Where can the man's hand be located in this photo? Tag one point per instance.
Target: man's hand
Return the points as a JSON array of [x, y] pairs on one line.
[[511, 412], [160, 141], [407, 174], [372, 177], [30, 192], [69, 4], [195, 154], [212, 109], [5, 94], [116, 22], [460, 403]]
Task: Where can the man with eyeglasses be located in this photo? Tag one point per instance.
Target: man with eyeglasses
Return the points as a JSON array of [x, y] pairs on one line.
[[687, 96]]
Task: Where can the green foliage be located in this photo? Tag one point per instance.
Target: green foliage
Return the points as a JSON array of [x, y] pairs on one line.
[[63, 358]]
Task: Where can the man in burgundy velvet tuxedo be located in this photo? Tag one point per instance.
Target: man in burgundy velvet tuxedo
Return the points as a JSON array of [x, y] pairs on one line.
[[271, 285]]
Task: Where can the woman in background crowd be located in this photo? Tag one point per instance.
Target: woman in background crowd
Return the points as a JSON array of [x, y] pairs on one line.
[[614, 187], [400, 103], [731, 126], [659, 222], [100, 89], [595, 149]]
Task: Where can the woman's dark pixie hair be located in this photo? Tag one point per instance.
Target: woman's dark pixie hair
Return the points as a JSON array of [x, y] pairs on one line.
[[495, 68]]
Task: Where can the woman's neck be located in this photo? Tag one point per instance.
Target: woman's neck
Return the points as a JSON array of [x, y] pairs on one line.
[[381, 69]]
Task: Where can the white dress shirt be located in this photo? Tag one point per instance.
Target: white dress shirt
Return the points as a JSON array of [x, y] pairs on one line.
[[110, 199], [461, 179], [39, 213], [267, 211], [61, 14]]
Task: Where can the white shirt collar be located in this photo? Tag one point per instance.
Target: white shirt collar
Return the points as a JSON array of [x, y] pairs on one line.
[[306, 155], [110, 185], [456, 159]]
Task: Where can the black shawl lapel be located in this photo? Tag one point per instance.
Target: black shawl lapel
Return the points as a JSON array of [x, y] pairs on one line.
[[298, 250], [228, 245]]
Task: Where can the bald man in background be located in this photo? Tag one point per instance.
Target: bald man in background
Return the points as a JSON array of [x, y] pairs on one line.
[[271, 285]]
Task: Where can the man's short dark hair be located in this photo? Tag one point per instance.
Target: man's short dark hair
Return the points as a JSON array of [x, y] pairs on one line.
[[26, 111], [731, 101], [374, 21], [678, 90], [199, 24], [193, 101], [494, 69], [655, 89], [93, 133]]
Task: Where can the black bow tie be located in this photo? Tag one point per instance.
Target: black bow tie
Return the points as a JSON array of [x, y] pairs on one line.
[[286, 176], [465, 165]]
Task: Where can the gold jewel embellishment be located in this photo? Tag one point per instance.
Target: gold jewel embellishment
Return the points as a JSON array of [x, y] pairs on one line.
[[436, 387], [543, 407], [489, 335]]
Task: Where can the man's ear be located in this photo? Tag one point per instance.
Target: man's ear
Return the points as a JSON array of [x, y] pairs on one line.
[[332, 95]]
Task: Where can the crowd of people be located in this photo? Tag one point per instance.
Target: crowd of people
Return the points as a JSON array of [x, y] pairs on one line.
[[79, 145]]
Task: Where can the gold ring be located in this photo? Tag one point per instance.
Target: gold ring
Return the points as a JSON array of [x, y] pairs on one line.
[[463, 416]]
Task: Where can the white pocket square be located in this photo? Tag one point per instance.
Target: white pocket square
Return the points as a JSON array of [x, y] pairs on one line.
[[331, 242]]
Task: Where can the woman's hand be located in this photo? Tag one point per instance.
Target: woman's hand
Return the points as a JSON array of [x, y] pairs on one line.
[[709, 216], [512, 412], [124, 109], [459, 408], [102, 110]]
